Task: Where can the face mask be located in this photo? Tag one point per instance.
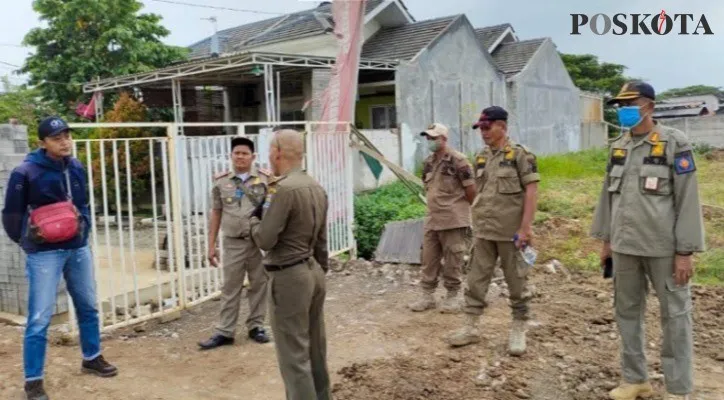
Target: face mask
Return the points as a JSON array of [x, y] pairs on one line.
[[433, 145], [629, 116]]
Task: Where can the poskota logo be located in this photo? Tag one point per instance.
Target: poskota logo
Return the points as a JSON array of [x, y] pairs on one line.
[[642, 24]]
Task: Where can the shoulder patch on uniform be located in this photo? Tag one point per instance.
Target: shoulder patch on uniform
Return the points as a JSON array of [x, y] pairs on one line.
[[526, 150], [222, 175], [684, 162]]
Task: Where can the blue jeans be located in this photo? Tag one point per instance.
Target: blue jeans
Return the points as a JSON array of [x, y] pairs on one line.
[[44, 270]]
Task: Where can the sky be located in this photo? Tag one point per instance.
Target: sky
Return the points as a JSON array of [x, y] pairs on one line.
[[666, 61]]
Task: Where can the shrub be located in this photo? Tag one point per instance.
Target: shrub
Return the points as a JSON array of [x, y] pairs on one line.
[[393, 202]]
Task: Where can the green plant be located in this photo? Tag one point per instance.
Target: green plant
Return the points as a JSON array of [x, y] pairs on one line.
[[393, 202], [126, 109], [703, 149]]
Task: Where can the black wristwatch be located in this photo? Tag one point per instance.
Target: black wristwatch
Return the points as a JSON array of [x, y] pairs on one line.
[[684, 253]]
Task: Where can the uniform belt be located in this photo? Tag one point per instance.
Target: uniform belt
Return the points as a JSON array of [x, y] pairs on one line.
[[271, 268], [247, 237]]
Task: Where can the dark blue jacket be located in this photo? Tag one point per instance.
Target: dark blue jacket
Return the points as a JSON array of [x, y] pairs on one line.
[[37, 182]]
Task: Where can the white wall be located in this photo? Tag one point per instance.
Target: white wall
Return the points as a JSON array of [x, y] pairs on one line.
[[546, 105], [708, 130], [450, 83], [386, 142]]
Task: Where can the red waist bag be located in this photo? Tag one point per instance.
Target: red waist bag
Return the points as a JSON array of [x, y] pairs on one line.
[[54, 223], [57, 222]]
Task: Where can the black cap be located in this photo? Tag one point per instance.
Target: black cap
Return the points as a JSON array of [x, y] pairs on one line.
[[52, 126], [242, 141], [492, 113], [633, 90]]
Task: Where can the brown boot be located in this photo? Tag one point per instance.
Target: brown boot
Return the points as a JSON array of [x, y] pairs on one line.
[[425, 302], [468, 334], [632, 391], [450, 305], [516, 341]]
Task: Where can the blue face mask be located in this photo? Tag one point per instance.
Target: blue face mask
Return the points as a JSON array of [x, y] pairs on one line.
[[629, 116]]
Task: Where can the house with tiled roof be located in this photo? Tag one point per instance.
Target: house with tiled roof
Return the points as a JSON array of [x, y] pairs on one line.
[[541, 97], [411, 73]]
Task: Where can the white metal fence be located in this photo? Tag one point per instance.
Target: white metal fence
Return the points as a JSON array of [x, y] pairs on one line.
[[149, 199]]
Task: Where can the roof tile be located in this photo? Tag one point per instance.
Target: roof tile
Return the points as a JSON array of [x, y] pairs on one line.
[[404, 42], [489, 34], [270, 30], [511, 58]]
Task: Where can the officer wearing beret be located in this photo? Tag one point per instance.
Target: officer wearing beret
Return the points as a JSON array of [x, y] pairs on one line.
[[649, 219], [506, 176]]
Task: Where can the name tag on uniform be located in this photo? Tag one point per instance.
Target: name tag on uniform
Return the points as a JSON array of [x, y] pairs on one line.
[[651, 183]]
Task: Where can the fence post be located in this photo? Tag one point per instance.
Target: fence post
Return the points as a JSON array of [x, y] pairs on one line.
[[309, 144], [173, 157]]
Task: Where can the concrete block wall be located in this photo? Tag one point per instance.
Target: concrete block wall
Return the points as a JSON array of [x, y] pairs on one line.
[[704, 130], [13, 283]]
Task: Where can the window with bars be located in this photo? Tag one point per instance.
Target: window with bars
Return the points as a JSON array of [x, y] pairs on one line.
[[383, 116]]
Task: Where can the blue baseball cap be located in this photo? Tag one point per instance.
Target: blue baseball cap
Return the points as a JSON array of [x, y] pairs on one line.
[[52, 126]]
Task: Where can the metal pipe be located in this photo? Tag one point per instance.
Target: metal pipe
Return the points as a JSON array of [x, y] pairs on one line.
[[109, 253], [94, 230], [119, 221], [177, 211], [171, 237], [154, 202], [130, 227]]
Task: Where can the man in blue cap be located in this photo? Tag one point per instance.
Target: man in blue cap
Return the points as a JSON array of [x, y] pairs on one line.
[[51, 177], [649, 219]]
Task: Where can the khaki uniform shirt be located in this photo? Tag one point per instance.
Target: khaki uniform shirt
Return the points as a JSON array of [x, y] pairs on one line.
[[445, 181], [649, 204], [294, 223], [229, 196], [501, 177]]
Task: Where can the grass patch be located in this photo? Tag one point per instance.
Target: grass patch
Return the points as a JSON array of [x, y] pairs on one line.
[[392, 202], [709, 267]]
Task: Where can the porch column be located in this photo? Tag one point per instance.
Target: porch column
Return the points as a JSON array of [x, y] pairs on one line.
[[269, 97], [227, 111], [98, 105], [178, 112], [320, 82]]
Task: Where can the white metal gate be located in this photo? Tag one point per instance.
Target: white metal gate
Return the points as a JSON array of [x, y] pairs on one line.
[[159, 265]]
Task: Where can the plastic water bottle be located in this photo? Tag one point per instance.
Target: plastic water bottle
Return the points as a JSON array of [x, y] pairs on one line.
[[528, 253]]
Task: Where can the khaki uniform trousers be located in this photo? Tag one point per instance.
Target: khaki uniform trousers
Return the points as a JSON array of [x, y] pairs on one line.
[[449, 244], [241, 257], [297, 321], [485, 256], [631, 288]]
